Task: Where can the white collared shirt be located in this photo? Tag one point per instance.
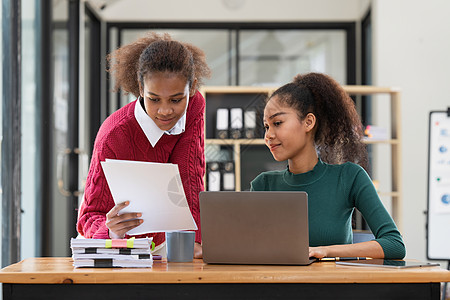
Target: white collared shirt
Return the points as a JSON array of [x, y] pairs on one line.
[[151, 130]]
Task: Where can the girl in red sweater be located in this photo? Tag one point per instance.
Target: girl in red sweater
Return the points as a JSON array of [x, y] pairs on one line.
[[165, 124]]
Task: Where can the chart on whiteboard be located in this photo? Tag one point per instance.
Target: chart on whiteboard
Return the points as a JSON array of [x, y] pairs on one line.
[[439, 164]]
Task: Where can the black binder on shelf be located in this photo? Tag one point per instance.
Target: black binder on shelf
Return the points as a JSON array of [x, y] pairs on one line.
[[213, 177], [222, 116], [236, 122], [250, 131], [227, 176]]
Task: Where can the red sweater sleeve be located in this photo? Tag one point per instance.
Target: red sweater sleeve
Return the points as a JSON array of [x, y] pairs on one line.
[[189, 155], [97, 201], [111, 142]]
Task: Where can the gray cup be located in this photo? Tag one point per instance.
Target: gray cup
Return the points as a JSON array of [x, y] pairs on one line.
[[180, 246]]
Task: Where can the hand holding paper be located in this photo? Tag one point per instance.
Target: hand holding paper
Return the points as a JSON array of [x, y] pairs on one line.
[[119, 224], [153, 189]]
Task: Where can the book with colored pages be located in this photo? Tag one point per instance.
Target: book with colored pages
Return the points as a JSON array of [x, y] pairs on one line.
[[132, 243], [78, 256], [113, 263], [111, 253], [127, 251]]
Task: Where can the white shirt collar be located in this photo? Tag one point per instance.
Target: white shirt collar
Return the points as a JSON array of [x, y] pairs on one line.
[[151, 130]]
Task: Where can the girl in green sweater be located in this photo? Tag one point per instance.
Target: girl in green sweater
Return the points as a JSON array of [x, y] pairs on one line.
[[312, 123]]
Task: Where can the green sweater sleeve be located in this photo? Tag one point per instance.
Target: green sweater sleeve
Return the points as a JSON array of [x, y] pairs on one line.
[[257, 184], [367, 201]]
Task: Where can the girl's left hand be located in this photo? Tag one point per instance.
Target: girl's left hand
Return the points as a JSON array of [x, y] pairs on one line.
[[198, 253], [317, 252]]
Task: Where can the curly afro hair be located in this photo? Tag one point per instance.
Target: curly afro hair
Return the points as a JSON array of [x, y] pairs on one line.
[[155, 53]]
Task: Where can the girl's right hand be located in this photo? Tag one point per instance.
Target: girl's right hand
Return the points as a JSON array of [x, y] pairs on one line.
[[119, 225]]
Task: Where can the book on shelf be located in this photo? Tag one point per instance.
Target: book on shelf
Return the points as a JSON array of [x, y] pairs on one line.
[[222, 116], [236, 123], [228, 178], [250, 131], [220, 176], [213, 176], [375, 133]]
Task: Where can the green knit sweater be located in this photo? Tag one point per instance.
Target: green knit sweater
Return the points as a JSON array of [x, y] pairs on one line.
[[333, 193]]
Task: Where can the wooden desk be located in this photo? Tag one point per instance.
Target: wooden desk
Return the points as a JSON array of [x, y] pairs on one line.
[[56, 278]]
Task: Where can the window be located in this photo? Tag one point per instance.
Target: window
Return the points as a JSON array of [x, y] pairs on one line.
[[60, 131], [215, 44], [1, 123], [274, 57], [248, 54], [29, 131]]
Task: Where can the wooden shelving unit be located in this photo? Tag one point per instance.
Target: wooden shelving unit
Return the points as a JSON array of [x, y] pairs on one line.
[[212, 93]]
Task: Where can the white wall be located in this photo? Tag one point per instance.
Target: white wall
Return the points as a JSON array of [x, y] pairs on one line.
[[412, 51]]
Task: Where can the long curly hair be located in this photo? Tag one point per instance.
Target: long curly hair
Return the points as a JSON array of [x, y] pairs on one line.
[[155, 53], [339, 131]]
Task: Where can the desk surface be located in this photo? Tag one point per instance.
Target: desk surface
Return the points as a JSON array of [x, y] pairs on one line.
[[55, 270]]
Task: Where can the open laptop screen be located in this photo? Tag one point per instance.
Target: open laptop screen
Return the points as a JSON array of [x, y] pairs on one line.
[[255, 227]]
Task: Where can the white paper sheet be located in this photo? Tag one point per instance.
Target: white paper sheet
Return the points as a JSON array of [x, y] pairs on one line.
[[153, 189]]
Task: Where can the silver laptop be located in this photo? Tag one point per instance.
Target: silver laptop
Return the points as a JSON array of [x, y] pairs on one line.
[[255, 228]]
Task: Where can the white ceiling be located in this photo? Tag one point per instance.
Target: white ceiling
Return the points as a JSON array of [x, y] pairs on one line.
[[230, 10]]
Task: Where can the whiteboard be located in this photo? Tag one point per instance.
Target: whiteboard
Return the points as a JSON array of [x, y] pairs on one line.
[[438, 216]]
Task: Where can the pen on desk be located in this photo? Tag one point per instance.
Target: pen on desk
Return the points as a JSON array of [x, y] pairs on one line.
[[343, 258]]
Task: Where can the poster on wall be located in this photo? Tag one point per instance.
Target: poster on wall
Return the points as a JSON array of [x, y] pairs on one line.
[[438, 217]]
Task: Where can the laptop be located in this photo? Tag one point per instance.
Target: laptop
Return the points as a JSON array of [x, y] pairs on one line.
[[255, 228]]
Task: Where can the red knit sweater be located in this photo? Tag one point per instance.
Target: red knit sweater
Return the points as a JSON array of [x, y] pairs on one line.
[[121, 137]]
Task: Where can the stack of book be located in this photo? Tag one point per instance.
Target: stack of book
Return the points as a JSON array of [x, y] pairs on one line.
[[102, 253]]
